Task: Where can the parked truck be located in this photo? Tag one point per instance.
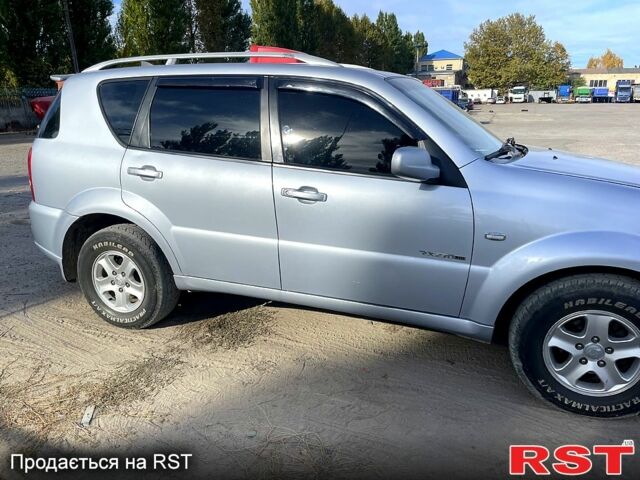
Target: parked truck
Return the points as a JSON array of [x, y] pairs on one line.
[[564, 93], [542, 96], [601, 95], [623, 91], [449, 93], [483, 95], [583, 95], [636, 93], [519, 94]]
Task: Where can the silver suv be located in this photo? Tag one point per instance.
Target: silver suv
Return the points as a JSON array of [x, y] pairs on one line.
[[348, 189]]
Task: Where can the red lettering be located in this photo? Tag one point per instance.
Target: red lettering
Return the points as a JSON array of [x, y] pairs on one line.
[[613, 456], [572, 460], [532, 455]]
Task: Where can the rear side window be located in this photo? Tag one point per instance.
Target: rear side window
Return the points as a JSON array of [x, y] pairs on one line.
[[337, 133], [120, 102], [51, 123], [223, 121]]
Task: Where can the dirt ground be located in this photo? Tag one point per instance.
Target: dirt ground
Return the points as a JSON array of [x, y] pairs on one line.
[[270, 390]]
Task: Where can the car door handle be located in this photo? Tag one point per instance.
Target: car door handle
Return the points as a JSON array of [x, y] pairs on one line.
[[147, 172], [304, 194]]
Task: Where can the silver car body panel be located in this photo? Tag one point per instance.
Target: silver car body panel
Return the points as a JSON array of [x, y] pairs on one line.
[[552, 221], [372, 235], [458, 326], [203, 205], [421, 254]]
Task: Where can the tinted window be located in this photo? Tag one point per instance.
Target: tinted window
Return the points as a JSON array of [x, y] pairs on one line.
[[328, 131], [120, 102], [213, 121], [51, 123]]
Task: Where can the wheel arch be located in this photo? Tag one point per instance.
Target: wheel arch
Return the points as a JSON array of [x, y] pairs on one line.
[[89, 223], [508, 309]]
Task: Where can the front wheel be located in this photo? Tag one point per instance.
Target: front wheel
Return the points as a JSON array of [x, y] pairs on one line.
[[125, 277], [576, 343]]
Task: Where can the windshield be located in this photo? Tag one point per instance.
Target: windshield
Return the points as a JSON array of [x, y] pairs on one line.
[[471, 133], [519, 90]]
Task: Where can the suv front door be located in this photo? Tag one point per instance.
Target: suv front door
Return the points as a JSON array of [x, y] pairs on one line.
[[347, 228], [198, 169]]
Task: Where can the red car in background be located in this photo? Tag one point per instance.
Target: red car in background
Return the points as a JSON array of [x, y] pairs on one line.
[[40, 105]]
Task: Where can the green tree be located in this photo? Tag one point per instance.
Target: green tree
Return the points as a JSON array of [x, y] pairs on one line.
[[369, 42], [336, 37], [420, 42], [607, 60], [147, 27], [7, 76], [577, 81], [308, 30], [35, 48], [397, 52], [222, 25], [92, 31], [275, 23], [514, 50]]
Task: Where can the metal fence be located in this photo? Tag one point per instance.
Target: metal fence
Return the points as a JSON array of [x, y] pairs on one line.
[[15, 109]]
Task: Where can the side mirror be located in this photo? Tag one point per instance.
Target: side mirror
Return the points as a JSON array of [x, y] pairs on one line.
[[413, 163]]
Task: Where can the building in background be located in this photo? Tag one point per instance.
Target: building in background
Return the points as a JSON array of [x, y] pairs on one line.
[[443, 66], [601, 77]]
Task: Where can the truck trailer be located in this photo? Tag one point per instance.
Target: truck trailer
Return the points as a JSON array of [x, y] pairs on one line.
[[564, 93], [449, 93], [601, 95], [636, 93], [542, 96]]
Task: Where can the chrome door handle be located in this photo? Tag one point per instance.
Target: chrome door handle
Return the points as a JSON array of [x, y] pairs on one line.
[[147, 172], [304, 194]]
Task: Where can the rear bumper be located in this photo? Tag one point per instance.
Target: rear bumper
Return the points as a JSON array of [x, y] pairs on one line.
[[49, 226]]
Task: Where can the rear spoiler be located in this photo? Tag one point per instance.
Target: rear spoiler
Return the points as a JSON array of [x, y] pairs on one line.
[[60, 78]]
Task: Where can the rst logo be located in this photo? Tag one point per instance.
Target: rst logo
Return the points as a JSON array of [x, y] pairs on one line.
[[567, 460]]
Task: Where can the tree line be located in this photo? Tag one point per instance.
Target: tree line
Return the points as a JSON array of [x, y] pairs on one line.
[[34, 41]]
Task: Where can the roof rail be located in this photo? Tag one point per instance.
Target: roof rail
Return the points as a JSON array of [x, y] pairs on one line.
[[172, 59]]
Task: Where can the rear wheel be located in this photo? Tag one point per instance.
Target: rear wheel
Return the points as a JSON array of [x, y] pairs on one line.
[[576, 343], [125, 277]]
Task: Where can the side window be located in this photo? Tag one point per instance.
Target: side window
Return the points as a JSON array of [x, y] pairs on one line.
[[221, 121], [51, 123], [120, 102], [332, 132]]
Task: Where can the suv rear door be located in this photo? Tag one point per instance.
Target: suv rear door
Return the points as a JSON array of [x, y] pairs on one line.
[[198, 168], [348, 229]]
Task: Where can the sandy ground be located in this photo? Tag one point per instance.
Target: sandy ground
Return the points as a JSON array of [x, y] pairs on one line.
[[273, 391]]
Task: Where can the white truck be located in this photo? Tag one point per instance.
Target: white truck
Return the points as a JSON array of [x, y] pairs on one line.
[[519, 94], [481, 95], [635, 92]]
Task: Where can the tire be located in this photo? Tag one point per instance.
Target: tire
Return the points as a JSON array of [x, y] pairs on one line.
[[143, 276], [601, 314]]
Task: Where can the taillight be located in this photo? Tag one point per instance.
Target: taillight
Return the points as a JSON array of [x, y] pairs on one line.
[[33, 194]]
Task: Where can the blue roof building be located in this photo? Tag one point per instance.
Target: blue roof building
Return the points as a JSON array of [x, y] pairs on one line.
[[441, 55], [444, 66]]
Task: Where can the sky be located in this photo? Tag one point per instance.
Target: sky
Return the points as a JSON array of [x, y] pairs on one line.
[[585, 27]]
